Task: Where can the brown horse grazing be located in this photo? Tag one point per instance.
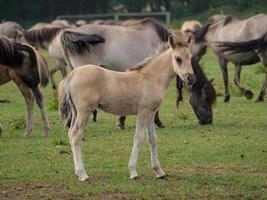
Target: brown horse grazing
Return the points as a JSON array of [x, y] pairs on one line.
[[241, 42], [22, 64], [136, 92], [12, 30]]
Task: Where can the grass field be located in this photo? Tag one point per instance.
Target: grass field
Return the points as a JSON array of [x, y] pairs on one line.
[[226, 160]]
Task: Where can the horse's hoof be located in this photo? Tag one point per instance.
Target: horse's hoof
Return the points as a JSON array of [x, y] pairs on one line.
[[248, 94], [161, 126], [94, 119], [84, 179], [226, 98], [260, 99], [121, 126]]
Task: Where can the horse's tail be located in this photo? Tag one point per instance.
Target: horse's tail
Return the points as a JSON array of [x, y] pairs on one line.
[[244, 47], [67, 109], [79, 43], [43, 69], [39, 35]]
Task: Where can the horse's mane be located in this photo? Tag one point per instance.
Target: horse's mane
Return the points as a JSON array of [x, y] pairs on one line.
[[145, 62], [228, 19], [37, 36], [202, 80], [201, 32], [9, 54], [162, 32]]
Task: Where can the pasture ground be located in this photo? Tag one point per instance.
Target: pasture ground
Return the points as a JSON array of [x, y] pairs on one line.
[[226, 160]]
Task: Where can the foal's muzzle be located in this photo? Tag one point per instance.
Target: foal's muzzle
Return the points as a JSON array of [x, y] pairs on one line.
[[189, 80]]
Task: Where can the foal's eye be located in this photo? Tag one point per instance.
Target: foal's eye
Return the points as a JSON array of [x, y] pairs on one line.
[[179, 60]]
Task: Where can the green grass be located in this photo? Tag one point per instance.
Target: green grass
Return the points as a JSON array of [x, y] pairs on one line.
[[226, 160]]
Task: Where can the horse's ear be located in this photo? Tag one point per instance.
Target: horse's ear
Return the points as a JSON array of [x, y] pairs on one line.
[[172, 41]]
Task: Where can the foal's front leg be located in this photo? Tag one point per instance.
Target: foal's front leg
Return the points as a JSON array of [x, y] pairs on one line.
[[141, 124], [152, 140]]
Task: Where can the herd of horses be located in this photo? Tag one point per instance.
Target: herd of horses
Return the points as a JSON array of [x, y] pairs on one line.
[[125, 68]]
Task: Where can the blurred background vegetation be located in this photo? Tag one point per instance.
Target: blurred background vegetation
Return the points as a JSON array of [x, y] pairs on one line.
[[28, 12]]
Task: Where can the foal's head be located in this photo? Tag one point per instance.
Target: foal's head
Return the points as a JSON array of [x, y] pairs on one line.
[[181, 58]]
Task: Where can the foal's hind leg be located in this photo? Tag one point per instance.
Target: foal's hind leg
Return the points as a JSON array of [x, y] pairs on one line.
[[29, 98], [248, 93], [51, 74], [75, 136], [40, 102], [152, 140]]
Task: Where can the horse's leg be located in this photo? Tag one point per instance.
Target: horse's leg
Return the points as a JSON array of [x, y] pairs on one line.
[[1, 130], [263, 89], [248, 93], [263, 57], [75, 136], [223, 65], [157, 120], [179, 86], [51, 74], [152, 140], [121, 122], [141, 125], [29, 98], [40, 102], [94, 115]]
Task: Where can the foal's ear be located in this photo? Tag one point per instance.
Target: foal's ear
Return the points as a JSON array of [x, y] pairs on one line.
[[172, 41]]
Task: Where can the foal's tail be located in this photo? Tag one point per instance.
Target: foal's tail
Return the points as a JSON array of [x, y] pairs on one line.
[[67, 109], [79, 43], [244, 47]]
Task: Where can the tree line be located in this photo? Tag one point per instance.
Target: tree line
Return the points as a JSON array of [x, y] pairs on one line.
[[44, 10]]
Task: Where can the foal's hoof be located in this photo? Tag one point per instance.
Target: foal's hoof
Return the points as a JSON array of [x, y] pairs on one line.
[[226, 98], [134, 177], [248, 94], [162, 176], [83, 179]]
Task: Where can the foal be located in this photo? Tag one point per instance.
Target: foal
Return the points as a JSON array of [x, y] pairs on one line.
[[22, 64], [137, 92]]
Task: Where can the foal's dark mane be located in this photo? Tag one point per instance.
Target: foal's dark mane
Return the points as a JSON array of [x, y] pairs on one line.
[[162, 32], [202, 82], [37, 36]]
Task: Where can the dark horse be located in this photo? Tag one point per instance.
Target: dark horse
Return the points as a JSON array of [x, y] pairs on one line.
[[242, 42], [19, 62]]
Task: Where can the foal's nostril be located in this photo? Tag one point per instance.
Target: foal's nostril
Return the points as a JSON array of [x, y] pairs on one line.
[[190, 79]]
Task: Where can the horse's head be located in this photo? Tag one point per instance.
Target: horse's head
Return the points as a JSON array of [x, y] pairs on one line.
[[202, 96], [181, 58], [198, 43]]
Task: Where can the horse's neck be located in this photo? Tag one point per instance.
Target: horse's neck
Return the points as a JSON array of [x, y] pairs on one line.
[[160, 69]]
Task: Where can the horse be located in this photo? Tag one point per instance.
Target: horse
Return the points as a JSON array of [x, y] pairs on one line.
[[47, 36], [27, 68], [100, 45], [190, 27], [223, 34], [136, 92], [12, 30]]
